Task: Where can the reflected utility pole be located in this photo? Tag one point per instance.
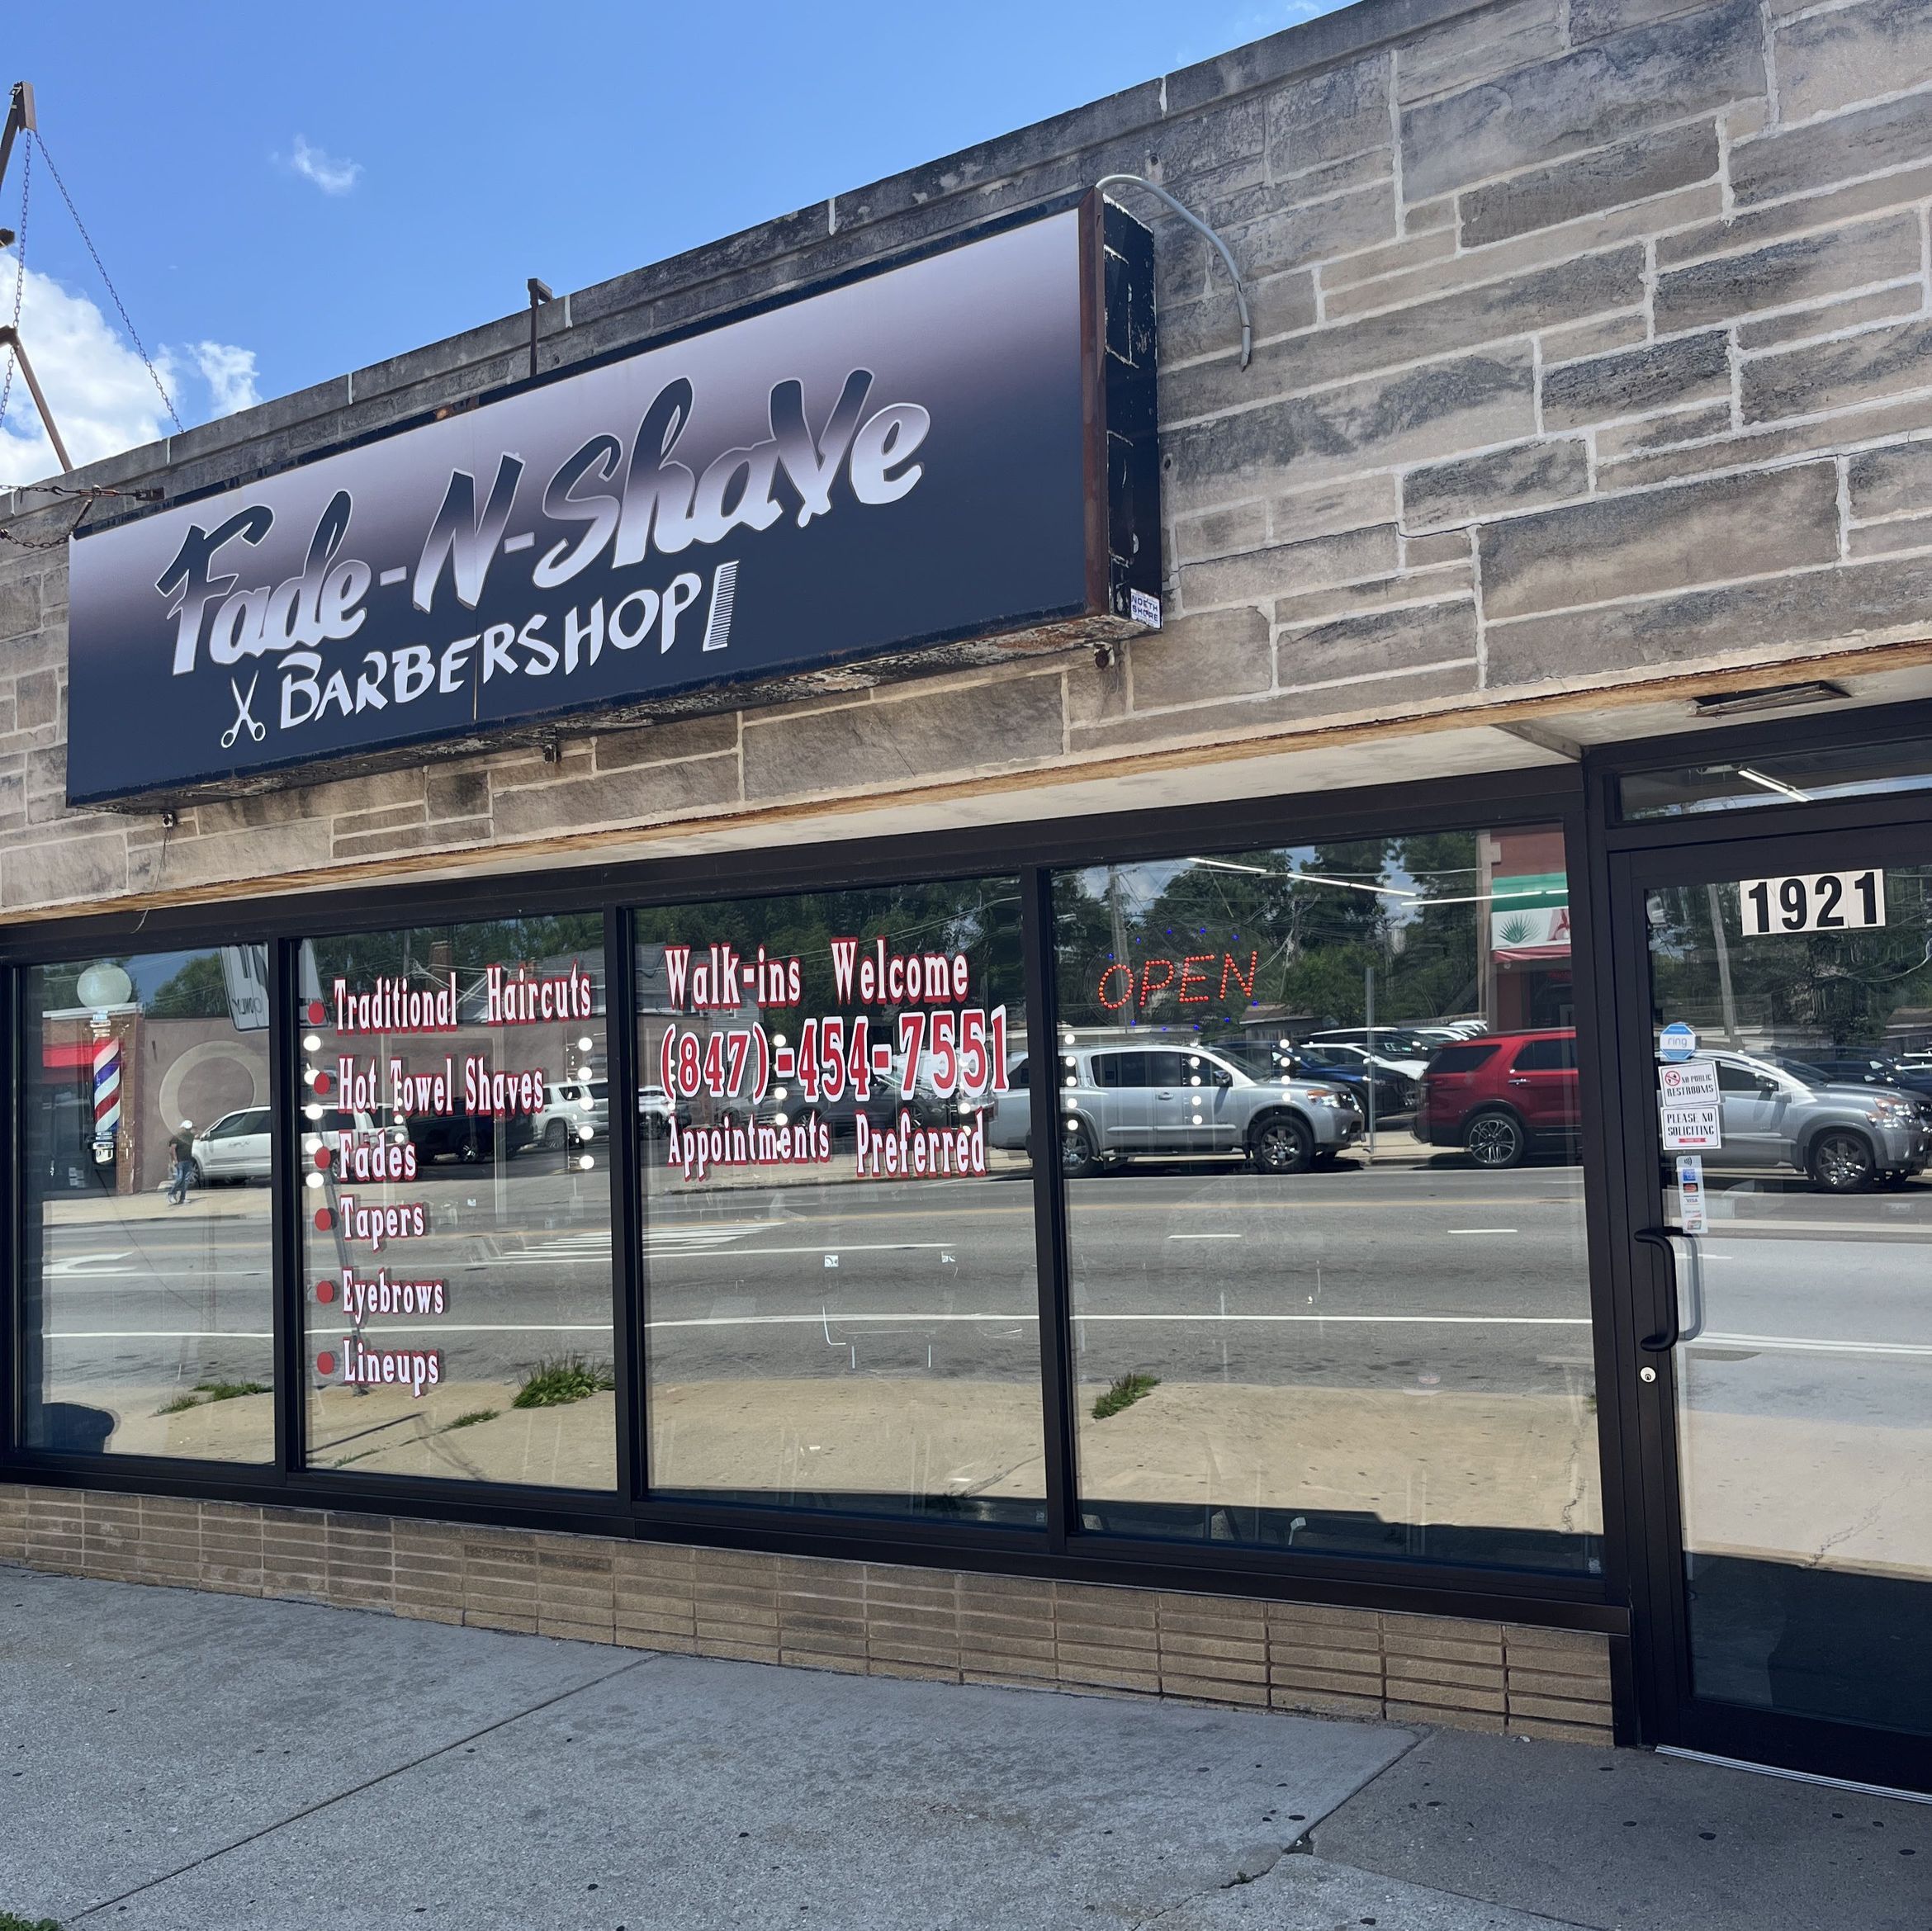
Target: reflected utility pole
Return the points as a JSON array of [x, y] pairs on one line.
[[1727, 999], [1368, 1003], [1119, 925]]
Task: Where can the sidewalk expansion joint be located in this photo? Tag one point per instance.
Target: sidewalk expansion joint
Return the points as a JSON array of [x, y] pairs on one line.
[[367, 1783], [1255, 1863]]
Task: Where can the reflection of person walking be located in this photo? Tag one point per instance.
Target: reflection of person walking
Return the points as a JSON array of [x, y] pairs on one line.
[[181, 1147]]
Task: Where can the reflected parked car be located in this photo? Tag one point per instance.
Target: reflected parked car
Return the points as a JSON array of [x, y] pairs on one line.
[[1846, 1136], [1862, 1066], [235, 1149], [656, 1111], [573, 1111], [1395, 1086], [1120, 1102], [1346, 1066], [1499, 1095], [1395, 1048], [458, 1136]]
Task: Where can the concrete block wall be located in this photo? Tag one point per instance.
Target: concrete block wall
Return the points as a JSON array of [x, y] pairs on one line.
[[877, 1619], [1593, 349]]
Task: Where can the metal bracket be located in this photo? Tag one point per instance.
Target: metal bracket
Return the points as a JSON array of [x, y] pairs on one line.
[[1194, 221], [539, 294], [10, 339], [20, 120]]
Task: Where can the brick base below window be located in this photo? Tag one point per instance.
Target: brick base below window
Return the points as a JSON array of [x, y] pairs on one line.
[[869, 1618]]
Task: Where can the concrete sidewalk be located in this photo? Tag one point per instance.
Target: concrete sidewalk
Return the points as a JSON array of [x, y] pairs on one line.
[[172, 1759]]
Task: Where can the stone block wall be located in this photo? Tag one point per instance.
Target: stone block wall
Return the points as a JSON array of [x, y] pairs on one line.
[[1593, 351], [876, 1618]]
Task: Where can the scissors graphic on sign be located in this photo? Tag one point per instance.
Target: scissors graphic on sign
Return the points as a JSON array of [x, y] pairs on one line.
[[244, 717]]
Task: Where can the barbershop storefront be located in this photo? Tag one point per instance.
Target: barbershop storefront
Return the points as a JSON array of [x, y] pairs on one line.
[[958, 960]]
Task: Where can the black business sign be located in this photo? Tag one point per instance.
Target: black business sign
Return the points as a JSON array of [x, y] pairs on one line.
[[959, 447]]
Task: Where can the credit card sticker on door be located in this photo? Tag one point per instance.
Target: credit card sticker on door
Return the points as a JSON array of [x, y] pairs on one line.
[[1817, 901], [1691, 1126], [1691, 1217]]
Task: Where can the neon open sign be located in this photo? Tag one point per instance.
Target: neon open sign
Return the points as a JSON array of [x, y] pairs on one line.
[[1187, 978]]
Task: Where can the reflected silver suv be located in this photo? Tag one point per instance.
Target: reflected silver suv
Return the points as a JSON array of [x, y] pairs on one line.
[[1119, 1101], [1846, 1137]]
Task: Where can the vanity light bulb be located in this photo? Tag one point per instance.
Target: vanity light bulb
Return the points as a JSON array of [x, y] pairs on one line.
[[585, 1044], [778, 1039], [312, 1042], [779, 1092], [314, 1179], [308, 1075], [312, 1111], [585, 1161]]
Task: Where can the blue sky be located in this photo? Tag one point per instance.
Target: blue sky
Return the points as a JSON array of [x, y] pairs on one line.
[[284, 193]]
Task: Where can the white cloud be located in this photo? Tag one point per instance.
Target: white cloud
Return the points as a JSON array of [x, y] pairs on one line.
[[230, 373], [102, 397], [332, 176]]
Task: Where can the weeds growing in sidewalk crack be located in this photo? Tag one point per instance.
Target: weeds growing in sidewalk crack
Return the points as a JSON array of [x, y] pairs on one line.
[[1123, 1394], [569, 1378]]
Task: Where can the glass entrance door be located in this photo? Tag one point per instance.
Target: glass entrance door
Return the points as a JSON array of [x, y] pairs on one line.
[[1778, 1025]]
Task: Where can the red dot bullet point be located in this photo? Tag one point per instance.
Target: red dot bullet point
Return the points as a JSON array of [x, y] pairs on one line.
[[323, 1156], [323, 1083], [315, 1012], [325, 1363], [324, 1220], [325, 1291]]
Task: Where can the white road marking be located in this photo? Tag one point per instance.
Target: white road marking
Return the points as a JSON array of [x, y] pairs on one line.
[[1480, 1230], [918, 1316], [1800, 1345]]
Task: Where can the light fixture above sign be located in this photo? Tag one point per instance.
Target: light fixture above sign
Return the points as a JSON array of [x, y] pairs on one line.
[[938, 461]]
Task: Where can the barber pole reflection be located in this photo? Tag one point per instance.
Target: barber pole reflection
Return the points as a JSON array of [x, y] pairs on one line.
[[106, 1096]]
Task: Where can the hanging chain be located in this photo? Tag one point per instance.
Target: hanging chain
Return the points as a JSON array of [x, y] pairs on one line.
[[27, 189], [58, 543], [120, 306]]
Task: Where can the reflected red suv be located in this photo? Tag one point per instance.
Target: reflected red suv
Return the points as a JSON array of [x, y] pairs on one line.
[[1500, 1094]]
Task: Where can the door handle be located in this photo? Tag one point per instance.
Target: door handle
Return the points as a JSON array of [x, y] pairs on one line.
[[1661, 1238], [1517, 1080]]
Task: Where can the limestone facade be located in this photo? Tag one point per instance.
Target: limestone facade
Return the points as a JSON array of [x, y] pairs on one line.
[[1594, 361]]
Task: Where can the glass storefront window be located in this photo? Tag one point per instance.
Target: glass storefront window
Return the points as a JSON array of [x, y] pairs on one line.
[[455, 1203], [841, 1305], [147, 1316], [1318, 1118], [1816, 776]]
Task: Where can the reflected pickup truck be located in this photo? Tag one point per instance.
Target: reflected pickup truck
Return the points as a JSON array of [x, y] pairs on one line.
[[1118, 1102]]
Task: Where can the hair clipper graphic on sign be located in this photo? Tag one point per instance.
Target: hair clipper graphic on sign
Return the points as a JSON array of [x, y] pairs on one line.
[[899, 460]]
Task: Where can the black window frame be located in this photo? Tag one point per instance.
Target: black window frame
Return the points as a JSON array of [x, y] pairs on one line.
[[1032, 850]]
